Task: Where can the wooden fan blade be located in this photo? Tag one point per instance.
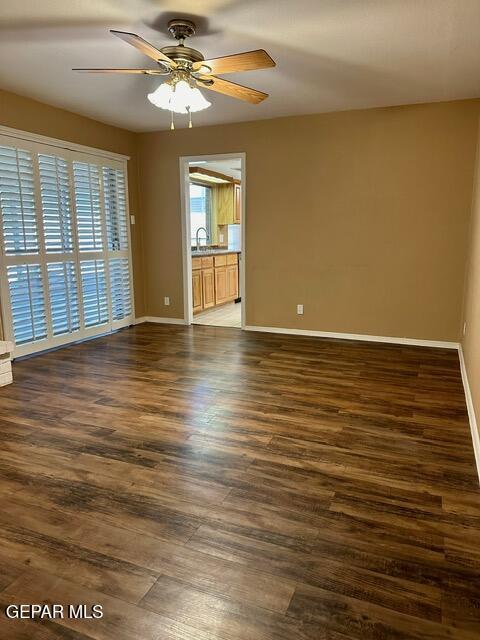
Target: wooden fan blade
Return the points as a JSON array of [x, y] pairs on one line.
[[231, 89], [144, 46], [248, 61], [148, 72]]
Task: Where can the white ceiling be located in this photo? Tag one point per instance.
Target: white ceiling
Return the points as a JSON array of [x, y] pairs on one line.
[[331, 54]]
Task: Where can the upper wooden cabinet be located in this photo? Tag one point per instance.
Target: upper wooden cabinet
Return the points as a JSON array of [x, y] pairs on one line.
[[237, 203], [227, 203], [224, 203]]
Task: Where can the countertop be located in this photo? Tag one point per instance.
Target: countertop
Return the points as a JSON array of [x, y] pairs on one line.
[[212, 252]]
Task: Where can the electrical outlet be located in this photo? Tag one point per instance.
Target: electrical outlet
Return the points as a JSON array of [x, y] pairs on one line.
[[166, 301], [300, 309], [220, 238], [132, 219]]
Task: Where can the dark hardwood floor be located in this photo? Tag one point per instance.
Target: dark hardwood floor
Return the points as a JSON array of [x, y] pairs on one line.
[[205, 483]]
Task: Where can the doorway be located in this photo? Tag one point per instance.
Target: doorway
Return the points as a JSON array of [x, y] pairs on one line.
[[213, 224]]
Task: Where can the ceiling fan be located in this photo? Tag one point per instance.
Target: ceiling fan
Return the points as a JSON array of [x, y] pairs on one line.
[[186, 69]]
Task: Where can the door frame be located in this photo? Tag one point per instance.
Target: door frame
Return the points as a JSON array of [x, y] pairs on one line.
[[184, 162]]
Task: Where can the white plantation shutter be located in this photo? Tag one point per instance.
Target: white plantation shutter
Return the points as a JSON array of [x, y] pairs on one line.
[[120, 288], [27, 302], [17, 200], [56, 205], [115, 199], [65, 264], [63, 288], [115, 208], [94, 291], [87, 203]]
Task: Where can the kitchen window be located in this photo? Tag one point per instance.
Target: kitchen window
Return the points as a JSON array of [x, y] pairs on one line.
[[200, 212], [65, 266]]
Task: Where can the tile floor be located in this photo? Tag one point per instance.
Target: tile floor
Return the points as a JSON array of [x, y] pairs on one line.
[[228, 315]]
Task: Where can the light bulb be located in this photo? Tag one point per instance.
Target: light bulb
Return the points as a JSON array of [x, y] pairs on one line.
[[161, 96], [180, 97], [197, 101]]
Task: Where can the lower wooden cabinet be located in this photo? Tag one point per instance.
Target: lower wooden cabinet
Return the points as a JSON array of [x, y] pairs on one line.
[[220, 285], [232, 282], [214, 280], [208, 287], [197, 291]]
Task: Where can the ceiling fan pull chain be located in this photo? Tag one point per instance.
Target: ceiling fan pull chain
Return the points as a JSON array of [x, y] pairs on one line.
[[189, 119], [172, 124]]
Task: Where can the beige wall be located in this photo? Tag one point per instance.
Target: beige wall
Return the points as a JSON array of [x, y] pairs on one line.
[[29, 115], [361, 216], [471, 339]]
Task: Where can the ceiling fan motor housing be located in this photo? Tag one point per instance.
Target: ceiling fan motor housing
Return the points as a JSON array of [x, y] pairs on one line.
[[184, 56], [181, 29]]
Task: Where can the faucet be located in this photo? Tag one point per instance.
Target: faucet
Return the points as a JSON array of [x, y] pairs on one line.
[[198, 239]]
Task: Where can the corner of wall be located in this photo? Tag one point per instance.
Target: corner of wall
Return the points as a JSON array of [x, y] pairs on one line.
[[471, 411], [139, 216], [469, 349]]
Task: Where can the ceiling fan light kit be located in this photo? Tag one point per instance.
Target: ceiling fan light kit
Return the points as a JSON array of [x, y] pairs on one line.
[[179, 95], [186, 70]]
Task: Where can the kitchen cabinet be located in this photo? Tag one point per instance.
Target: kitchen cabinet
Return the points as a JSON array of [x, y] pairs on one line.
[[208, 288], [237, 203], [228, 203], [197, 290], [220, 285], [214, 280], [224, 203], [232, 282]]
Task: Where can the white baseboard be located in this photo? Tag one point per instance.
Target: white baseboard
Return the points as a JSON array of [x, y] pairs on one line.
[[471, 410], [157, 320], [355, 336]]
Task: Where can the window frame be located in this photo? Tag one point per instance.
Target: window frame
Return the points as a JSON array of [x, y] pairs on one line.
[[208, 215], [70, 152]]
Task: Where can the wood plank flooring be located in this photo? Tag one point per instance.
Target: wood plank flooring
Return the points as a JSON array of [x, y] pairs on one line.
[[206, 483]]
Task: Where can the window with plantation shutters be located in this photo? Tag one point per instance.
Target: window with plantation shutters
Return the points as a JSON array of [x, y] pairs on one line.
[[17, 200], [65, 264], [27, 302], [63, 289], [120, 288], [56, 205], [115, 208], [94, 292], [87, 205]]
